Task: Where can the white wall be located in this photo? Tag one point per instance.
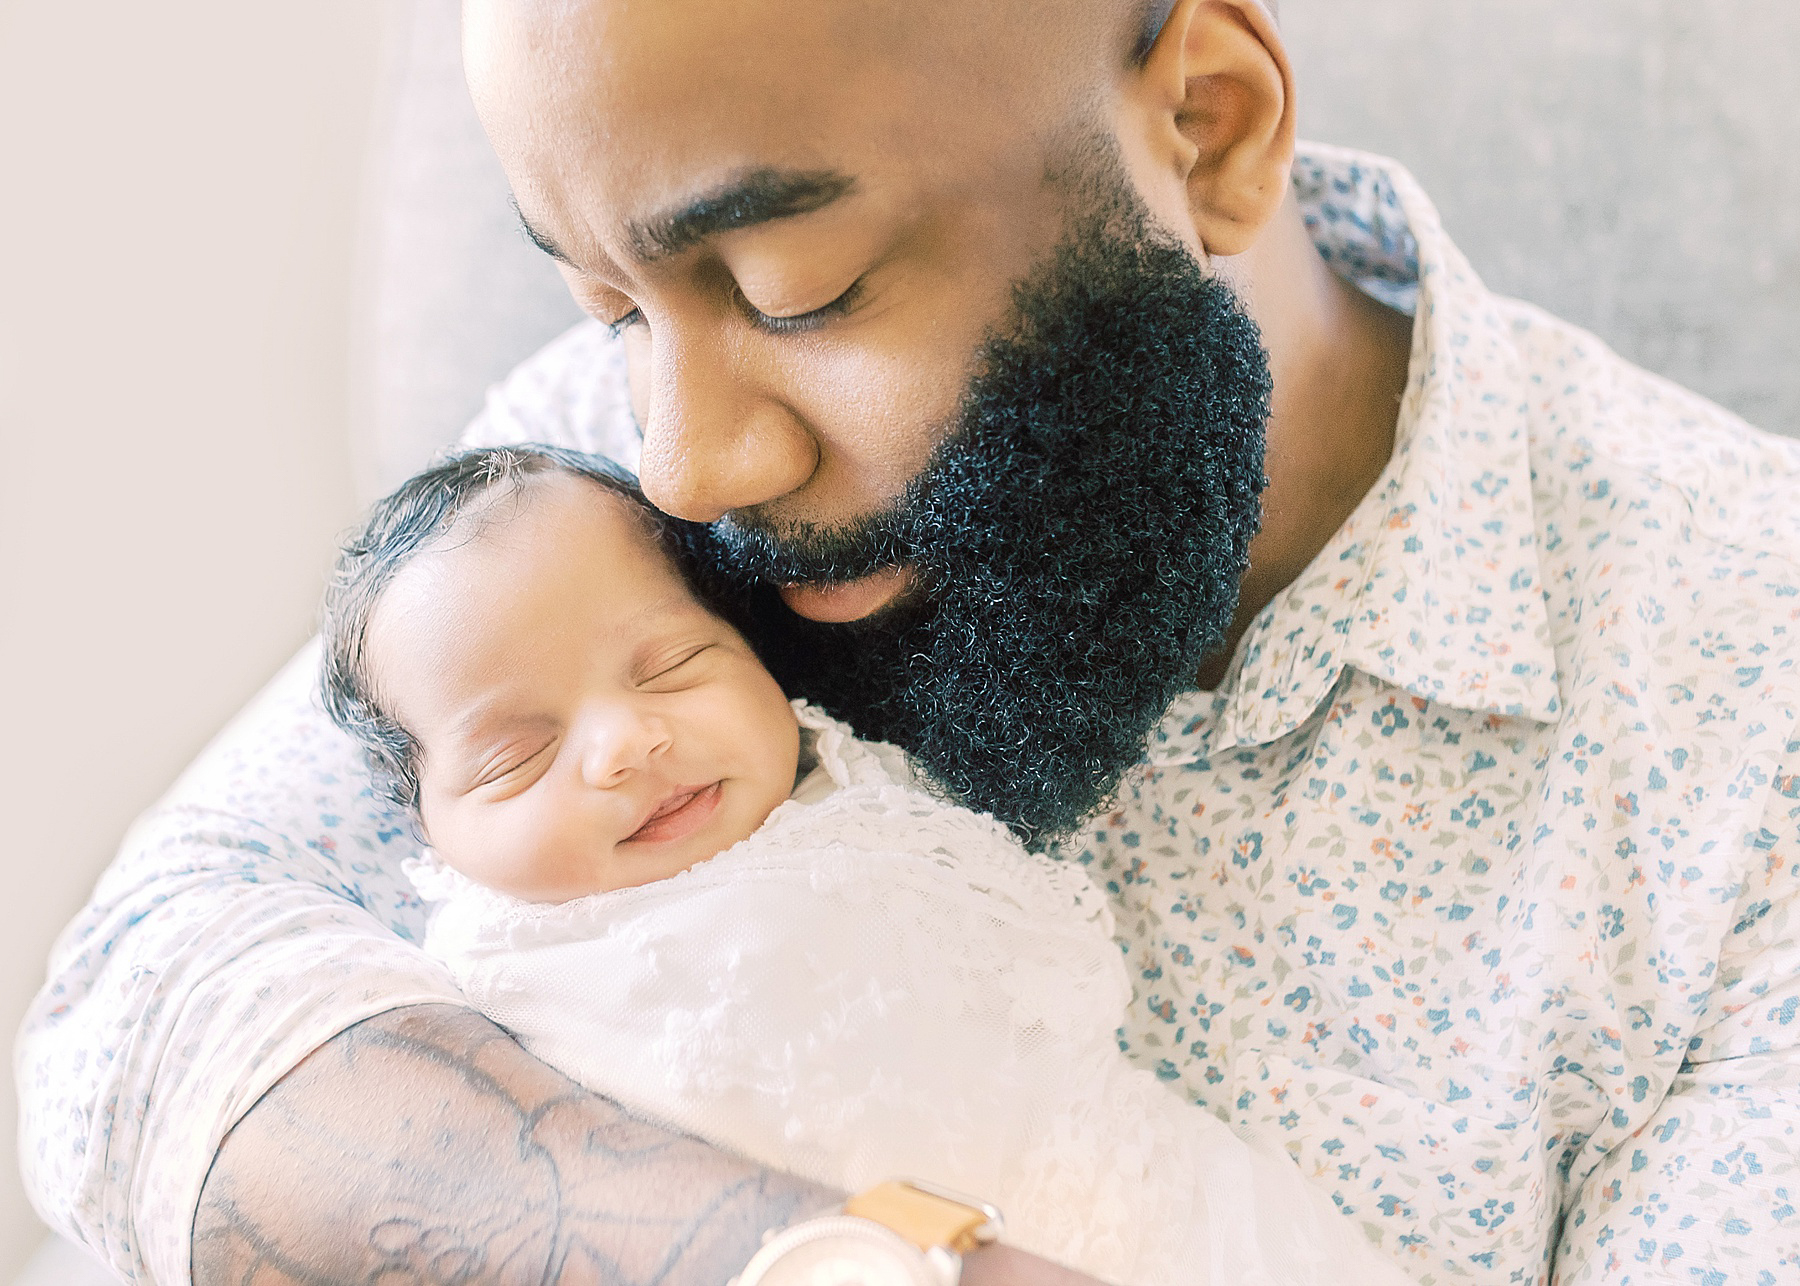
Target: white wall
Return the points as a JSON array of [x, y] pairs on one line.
[[177, 187]]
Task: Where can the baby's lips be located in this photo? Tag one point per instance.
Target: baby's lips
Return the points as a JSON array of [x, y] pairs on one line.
[[677, 799], [682, 812], [847, 600]]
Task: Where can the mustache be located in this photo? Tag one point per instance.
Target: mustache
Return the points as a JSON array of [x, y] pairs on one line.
[[755, 552]]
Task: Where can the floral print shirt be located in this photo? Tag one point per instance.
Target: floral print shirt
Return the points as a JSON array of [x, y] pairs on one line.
[[1476, 884]]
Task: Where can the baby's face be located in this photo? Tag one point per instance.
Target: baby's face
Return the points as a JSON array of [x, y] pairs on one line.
[[583, 723]]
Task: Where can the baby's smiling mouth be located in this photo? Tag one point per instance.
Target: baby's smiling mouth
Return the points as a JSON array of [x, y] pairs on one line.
[[685, 810]]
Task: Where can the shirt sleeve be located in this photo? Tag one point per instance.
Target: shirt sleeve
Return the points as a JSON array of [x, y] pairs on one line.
[[256, 912], [1708, 1191]]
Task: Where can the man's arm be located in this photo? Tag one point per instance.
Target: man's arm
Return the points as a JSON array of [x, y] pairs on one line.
[[425, 1146], [255, 913], [1708, 1190]]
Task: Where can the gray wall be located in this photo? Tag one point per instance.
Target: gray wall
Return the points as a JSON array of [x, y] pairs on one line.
[[1631, 165]]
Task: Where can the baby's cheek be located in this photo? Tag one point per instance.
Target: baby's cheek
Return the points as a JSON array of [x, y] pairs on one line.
[[555, 858], [779, 760], [517, 849]]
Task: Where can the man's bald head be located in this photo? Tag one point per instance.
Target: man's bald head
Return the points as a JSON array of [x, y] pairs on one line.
[[935, 46]]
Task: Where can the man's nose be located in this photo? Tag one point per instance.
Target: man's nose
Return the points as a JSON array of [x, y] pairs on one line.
[[717, 436], [617, 742]]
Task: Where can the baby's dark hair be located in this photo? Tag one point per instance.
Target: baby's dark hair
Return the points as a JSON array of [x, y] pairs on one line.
[[455, 493]]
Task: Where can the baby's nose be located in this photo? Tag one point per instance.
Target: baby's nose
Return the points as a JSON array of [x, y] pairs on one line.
[[619, 743]]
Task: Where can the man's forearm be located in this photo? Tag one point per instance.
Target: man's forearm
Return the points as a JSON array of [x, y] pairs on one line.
[[426, 1146]]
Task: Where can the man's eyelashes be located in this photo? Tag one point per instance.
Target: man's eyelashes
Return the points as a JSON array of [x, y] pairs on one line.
[[790, 324]]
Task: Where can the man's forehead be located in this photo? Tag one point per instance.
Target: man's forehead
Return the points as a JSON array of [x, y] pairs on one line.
[[603, 34], [702, 48], [659, 120]]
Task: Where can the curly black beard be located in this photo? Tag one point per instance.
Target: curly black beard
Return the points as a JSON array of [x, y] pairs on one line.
[[1078, 538]]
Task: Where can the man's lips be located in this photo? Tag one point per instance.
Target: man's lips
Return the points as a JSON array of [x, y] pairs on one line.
[[849, 600], [678, 816]]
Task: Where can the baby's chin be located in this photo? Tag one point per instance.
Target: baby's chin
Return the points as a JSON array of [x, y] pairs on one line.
[[551, 892], [557, 878]]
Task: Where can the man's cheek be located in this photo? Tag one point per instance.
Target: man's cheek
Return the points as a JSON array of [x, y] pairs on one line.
[[884, 433]]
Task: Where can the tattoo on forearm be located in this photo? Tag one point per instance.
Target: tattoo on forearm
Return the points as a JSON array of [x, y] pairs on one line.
[[425, 1148]]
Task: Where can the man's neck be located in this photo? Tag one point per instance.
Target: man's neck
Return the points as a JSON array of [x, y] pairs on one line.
[[1339, 361]]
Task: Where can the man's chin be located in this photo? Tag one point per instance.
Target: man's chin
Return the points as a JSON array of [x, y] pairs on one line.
[[840, 602]]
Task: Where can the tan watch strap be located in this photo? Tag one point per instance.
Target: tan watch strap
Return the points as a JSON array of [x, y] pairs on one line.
[[923, 1218]]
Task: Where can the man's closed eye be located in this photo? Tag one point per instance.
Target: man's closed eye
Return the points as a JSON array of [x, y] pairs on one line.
[[810, 320]]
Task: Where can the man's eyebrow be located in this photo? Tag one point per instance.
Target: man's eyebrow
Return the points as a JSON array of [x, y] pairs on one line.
[[756, 196], [539, 239]]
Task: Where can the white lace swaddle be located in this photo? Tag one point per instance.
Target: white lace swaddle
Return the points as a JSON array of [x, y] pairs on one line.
[[878, 984]]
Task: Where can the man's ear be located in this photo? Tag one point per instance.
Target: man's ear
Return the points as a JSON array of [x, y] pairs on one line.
[[1222, 98]]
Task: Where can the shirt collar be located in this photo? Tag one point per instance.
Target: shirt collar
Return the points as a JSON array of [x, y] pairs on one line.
[[1433, 583]]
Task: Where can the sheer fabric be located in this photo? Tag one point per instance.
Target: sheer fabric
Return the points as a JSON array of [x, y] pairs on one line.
[[880, 984]]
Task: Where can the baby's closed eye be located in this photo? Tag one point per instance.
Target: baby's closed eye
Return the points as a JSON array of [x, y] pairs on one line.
[[514, 767], [673, 666]]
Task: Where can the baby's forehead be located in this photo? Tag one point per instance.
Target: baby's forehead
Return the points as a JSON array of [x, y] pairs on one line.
[[548, 538], [559, 496], [561, 569], [556, 515]]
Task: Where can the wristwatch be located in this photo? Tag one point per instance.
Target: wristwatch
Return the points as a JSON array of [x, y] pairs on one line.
[[900, 1233]]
